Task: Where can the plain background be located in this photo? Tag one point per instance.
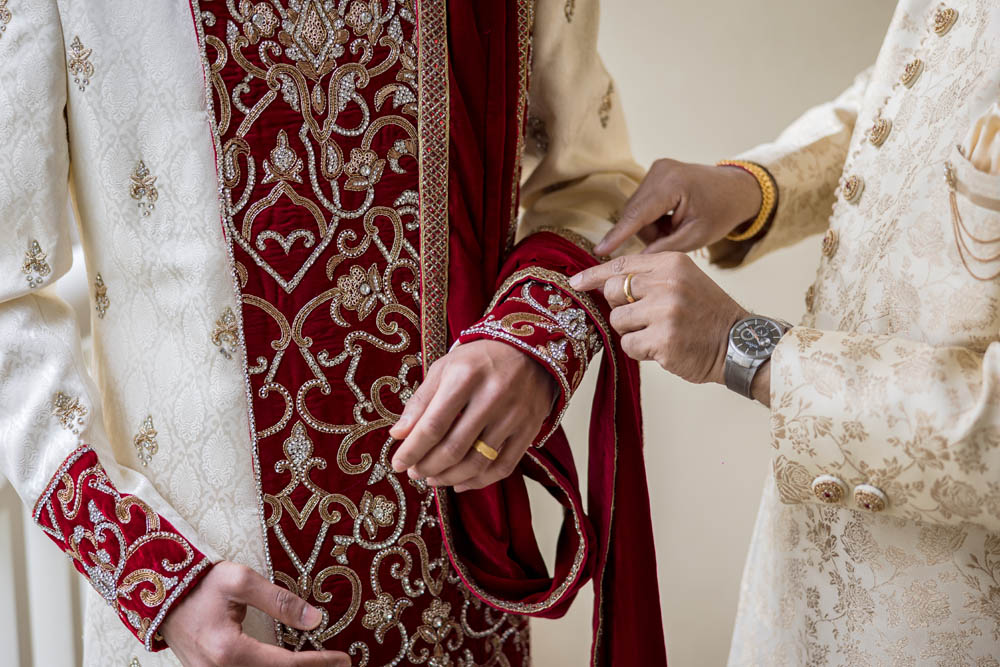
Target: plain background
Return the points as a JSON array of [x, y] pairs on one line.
[[700, 81]]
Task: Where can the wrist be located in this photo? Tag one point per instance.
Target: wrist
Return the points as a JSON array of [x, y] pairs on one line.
[[761, 387], [748, 196], [719, 369]]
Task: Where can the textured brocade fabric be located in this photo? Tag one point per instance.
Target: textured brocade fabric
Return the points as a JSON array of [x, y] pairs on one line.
[[134, 558], [892, 379]]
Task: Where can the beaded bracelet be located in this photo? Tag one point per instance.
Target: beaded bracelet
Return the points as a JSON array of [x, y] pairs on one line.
[[768, 197]]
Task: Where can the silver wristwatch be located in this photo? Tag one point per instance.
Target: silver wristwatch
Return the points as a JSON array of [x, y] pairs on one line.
[[751, 343]]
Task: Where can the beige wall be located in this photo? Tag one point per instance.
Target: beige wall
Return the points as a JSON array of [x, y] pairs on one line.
[[699, 81]]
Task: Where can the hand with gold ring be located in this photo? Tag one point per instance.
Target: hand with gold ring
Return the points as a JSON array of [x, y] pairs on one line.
[[474, 416], [677, 315]]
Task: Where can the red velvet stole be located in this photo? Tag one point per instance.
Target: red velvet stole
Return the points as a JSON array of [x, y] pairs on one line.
[[489, 533]]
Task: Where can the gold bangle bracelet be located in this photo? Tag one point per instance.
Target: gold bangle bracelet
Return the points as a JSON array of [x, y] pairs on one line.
[[768, 197]]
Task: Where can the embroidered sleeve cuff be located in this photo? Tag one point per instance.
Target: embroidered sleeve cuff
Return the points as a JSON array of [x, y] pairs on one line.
[[134, 558], [537, 316]]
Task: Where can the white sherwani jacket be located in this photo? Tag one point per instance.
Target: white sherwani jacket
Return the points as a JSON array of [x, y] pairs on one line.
[[104, 105], [878, 538]]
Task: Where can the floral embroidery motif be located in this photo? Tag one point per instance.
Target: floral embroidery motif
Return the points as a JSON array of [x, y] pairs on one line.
[[604, 111], [285, 164], [35, 268], [134, 662], [145, 441], [5, 17], [101, 300], [69, 411], [143, 188], [79, 65], [225, 336], [133, 558]]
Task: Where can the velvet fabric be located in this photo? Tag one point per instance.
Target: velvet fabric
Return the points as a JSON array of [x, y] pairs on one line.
[[491, 539]]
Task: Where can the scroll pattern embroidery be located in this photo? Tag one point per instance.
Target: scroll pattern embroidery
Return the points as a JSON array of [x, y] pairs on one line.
[[315, 115], [132, 557]]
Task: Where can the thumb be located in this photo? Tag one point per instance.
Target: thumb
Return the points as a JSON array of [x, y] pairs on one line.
[[689, 236], [280, 603]]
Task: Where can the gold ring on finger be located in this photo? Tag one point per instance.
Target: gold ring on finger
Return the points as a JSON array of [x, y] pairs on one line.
[[486, 450], [627, 288]]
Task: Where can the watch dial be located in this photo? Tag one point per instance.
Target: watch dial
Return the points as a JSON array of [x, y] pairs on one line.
[[756, 337]]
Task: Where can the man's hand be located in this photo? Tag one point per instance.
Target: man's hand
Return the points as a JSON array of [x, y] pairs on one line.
[[681, 318], [205, 629], [707, 203], [484, 390]]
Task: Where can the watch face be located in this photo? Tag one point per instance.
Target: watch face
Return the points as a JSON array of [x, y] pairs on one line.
[[755, 337]]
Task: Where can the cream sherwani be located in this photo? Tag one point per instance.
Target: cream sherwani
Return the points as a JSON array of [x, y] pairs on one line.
[[891, 386], [104, 105]]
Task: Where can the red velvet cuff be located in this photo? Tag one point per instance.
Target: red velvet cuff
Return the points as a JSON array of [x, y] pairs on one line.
[[132, 556], [539, 318]]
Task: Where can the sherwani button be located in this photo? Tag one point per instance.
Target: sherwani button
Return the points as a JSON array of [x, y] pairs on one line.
[[830, 241], [879, 131], [912, 72], [829, 489], [852, 189], [944, 19], [870, 497]]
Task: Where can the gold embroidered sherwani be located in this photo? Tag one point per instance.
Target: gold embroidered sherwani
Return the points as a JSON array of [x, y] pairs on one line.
[[878, 537], [224, 158]]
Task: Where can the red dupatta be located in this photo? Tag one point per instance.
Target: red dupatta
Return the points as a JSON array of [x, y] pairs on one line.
[[488, 533]]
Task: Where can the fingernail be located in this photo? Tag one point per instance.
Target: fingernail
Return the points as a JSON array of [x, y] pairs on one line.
[[431, 481], [398, 466], [413, 474], [460, 488], [575, 280], [600, 248], [311, 616]]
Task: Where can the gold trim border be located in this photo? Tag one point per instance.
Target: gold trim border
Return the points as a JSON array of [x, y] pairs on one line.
[[525, 24], [433, 122]]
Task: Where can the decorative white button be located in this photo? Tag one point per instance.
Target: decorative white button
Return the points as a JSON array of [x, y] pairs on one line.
[[870, 498], [829, 489]]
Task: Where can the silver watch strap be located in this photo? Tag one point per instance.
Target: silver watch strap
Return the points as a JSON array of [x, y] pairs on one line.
[[739, 378]]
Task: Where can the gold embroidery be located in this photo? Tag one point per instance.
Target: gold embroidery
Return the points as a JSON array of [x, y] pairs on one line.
[[5, 17], [433, 124], [604, 111], [134, 662], [69, 411], [117, 581], [101, 300], [568, 10], [525, 23], [384, 292], [226, 333], [143, 188], [79, 65], [145, 441], [34, 267]]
